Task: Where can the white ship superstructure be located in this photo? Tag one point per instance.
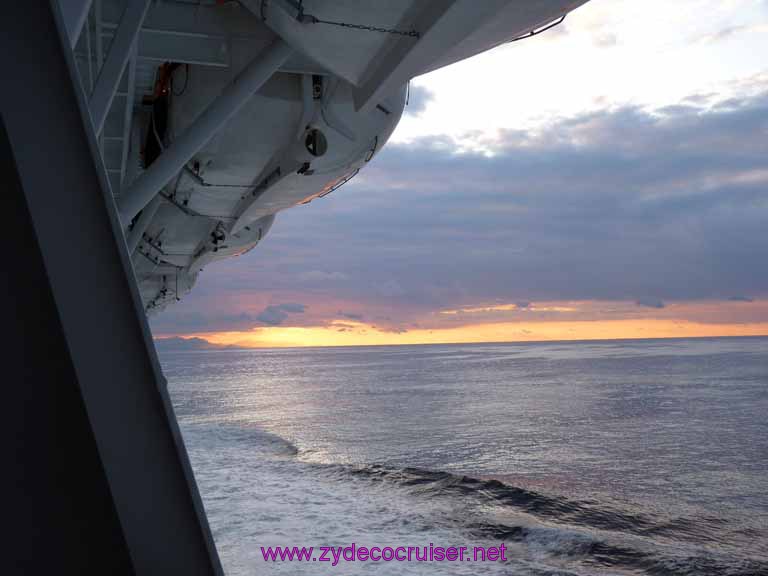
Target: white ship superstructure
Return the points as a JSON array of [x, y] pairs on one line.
[[212, 117]]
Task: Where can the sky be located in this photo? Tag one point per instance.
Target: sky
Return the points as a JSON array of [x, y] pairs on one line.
[[606, 179]]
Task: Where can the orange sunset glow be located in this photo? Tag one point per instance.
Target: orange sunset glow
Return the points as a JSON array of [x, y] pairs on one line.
[[550, 321]]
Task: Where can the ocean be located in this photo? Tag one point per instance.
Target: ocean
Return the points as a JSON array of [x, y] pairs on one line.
[[623, 457]]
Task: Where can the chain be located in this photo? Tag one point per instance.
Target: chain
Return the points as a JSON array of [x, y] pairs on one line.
[[409, 33], [302, 17]]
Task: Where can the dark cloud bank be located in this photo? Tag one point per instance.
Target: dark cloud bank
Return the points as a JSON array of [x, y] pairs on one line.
[[276, 314], [624, 204]]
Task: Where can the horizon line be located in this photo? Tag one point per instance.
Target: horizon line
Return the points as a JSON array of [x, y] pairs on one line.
[[215, 346]]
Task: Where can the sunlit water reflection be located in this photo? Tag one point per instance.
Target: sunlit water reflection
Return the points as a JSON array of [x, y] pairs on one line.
[[584, 458]]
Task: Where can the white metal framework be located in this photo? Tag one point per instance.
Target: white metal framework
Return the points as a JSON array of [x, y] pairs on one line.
[[212, 116]]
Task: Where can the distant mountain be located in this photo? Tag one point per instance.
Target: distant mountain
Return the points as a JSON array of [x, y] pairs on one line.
[[177, 343]]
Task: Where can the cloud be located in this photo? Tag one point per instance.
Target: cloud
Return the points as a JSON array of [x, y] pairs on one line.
[[718, 35], [606, 40], [650, 303], [391, 329], [601, 205], [482, 309], [277, 314], [740, 299], [497, 309], [418, 99], [320, 276], [183, 344], [604, 205], [727, 33], [351, 315]]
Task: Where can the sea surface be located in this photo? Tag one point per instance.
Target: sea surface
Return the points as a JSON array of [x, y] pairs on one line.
[[624, 457]]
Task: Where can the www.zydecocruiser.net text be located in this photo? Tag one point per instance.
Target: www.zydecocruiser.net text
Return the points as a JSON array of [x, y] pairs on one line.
[[355, 553]]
